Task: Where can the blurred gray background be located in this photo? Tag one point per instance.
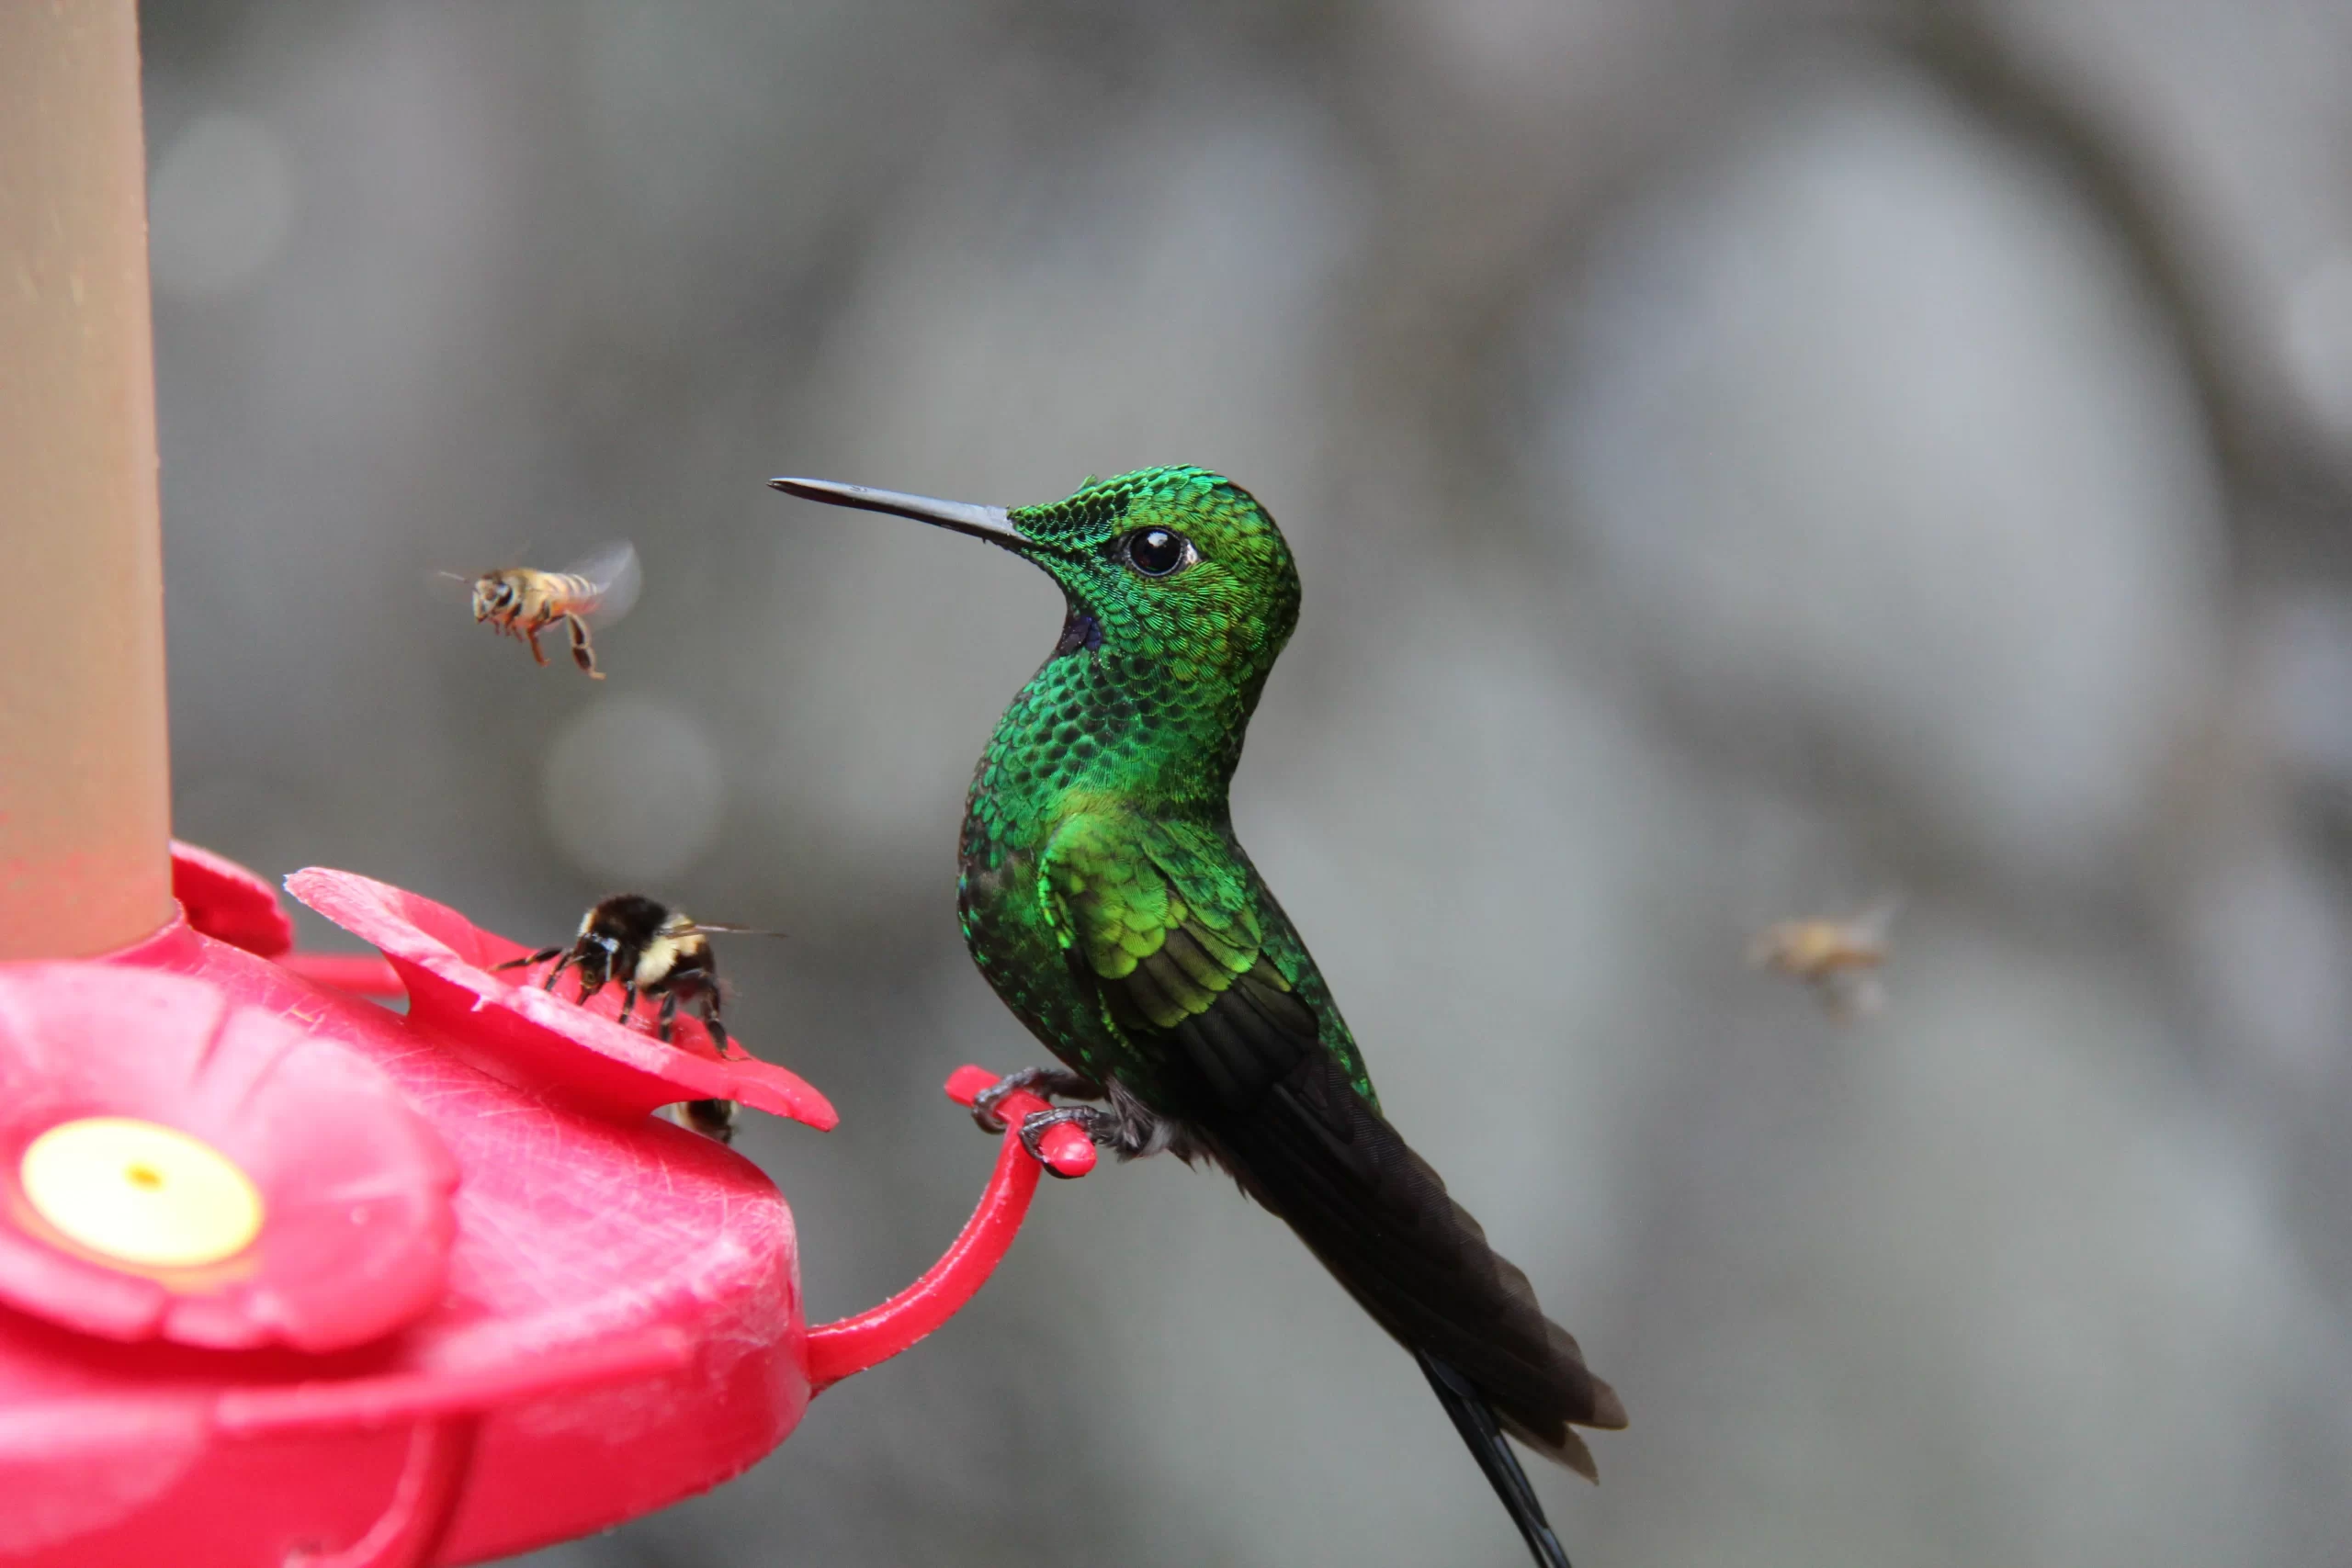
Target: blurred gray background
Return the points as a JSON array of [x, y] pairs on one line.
[[1743, 458]]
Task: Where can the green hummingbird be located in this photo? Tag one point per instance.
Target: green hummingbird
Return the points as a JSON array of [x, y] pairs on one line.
[[1103, 894]]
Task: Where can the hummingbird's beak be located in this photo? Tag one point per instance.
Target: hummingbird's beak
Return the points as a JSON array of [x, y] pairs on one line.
[[989, 523]]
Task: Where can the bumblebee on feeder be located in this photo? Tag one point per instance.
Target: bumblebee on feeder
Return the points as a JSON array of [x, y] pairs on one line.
[[521, 602], [653, 951]]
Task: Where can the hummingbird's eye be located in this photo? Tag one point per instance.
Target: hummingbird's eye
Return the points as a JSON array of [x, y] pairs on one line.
[[1156, 552]]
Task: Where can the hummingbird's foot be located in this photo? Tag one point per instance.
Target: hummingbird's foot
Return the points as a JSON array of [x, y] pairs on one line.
[[1044, 1081], [1100, 1127]]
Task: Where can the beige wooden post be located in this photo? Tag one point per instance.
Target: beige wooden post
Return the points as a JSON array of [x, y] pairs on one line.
[[85, 782]]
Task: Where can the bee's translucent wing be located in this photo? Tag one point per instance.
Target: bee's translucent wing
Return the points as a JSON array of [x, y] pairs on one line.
[[1870, 926], [613, 569]]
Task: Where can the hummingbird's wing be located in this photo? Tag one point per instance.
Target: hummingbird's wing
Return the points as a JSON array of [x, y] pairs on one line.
[[1162, 920], [1159, 919]]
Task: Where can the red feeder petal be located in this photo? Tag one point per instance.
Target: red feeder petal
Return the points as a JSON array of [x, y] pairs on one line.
[[509, 1027], [356, 1228], [361, 974], [227, 903]]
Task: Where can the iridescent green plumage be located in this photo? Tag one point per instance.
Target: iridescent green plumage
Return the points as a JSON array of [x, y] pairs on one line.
[[1106, 899], [1098, 819]]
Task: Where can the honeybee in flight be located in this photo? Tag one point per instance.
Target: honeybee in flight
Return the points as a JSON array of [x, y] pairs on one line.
[[653, 951], [1839, 959], [522, 601]]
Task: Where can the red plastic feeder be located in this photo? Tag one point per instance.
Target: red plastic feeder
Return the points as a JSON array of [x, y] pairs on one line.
[[288, 1279]]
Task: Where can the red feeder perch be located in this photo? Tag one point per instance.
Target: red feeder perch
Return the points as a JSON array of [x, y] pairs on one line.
[[287, 1278]]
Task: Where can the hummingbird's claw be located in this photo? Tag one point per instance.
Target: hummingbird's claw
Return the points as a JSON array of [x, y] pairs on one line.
[[1043, 1081], [1099, 1125]]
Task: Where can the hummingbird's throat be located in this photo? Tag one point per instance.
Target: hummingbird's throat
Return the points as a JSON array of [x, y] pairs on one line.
[[1082, 630], [1097, 719]]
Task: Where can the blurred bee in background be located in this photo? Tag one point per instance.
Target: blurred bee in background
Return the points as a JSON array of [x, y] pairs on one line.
[[522, 601], [653, 951], [1839, 959]]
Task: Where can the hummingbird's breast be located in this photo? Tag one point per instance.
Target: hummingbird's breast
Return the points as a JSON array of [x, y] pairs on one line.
[[1027, 784], [1014, 947], [1098, 727]]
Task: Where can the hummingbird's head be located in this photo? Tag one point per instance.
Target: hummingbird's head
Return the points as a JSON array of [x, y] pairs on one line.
[[1176, 567]]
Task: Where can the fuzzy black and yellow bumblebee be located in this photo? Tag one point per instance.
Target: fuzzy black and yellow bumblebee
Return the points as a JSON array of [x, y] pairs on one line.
[[653, 951]]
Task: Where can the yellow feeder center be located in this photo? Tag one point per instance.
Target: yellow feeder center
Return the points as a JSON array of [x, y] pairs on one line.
[[141, 1192]]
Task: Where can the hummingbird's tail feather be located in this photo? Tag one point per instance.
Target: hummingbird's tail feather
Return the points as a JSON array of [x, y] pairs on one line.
[[1475, 1421], [1318, 1154]]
